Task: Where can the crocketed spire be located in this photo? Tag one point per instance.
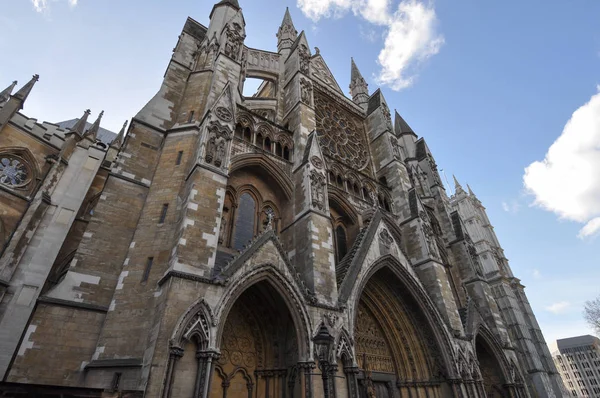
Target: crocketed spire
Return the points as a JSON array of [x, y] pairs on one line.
[[5, 94]]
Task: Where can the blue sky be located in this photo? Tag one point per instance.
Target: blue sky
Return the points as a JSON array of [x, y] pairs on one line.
[[490, 85]]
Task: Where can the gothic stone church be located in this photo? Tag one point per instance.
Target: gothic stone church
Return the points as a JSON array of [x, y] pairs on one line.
[[291, 244]]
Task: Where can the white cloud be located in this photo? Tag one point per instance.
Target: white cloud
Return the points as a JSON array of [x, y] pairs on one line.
[[567, 181], [511, 206], [411, 33], [42, 5], [559, 307], [590, 229]]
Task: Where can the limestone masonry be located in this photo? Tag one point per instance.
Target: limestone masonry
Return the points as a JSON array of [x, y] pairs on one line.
[[291, 244]]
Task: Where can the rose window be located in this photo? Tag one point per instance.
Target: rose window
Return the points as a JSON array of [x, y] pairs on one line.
[[14, 172], [340, 136]]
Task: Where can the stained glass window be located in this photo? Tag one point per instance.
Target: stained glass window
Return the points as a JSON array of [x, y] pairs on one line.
[[244, 224]]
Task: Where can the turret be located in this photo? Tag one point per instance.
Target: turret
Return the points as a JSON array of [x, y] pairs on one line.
[[359, 89], [287, 33], [15, 102], [5, 94]]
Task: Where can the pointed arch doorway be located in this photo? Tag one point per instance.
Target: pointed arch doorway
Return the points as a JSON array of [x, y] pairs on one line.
[[259, 348], [396, 350], [490, 369]]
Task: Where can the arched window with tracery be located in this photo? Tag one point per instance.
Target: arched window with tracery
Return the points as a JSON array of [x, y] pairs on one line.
[[247, 134], [268, 144], [245, 221]]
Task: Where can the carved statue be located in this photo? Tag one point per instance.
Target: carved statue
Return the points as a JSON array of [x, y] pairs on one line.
[[386, 113], [216, 144], [210, 149], [234, 40], [306, 91], [317, 189], [220, 157], [304, 58]]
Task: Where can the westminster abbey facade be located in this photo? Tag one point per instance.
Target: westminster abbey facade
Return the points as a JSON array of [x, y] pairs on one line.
[[292, 244]]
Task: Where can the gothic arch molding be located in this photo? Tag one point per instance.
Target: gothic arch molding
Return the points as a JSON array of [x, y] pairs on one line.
[[342, 203], [199, 309], [288, 291], [426, 307], [259, 160], [492, 342]]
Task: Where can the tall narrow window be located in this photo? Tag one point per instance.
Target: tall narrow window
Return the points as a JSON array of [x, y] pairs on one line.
[[147, 269], [244, 223], [163, 213], [286, 153], [341, 243], [267, 144], [191, 116], [179, 156]]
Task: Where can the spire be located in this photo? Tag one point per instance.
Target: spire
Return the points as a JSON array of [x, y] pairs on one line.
[[93, 131], [5, 94], [354, 73], [79, 126], [287, 33], [457, 187], [470, 190], [22, 94], [117, 142], [400, 125], [359, 89]]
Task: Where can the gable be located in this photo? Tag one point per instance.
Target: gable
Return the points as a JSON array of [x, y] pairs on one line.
[[320, 70]]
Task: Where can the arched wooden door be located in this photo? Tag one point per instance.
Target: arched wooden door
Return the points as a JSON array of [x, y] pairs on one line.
[[395, 347]]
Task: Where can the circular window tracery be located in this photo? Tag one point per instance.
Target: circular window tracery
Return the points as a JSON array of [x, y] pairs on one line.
[[340, 136], [14, 171]]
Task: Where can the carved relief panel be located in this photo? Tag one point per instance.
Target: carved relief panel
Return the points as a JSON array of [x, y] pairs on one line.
[[217, 144]]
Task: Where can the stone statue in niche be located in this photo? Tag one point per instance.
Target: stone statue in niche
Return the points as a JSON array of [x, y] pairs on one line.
[[386, 113], [306, 91], [475, 258], [216, 144], [317, 184], [395, 148], [428, 231], [234, 40], [304, 58]]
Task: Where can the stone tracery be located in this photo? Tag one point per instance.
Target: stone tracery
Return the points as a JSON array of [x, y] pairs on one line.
[[341, 135]]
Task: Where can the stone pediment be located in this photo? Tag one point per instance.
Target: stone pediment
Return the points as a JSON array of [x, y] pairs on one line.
[[320, 71], [265, 249]]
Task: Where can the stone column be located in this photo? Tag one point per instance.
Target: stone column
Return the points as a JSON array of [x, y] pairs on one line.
[[175, 353], [305, 371], [204, 375], [351, 373]]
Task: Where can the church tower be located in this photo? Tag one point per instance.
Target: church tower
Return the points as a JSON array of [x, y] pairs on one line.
[[295, 243]]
